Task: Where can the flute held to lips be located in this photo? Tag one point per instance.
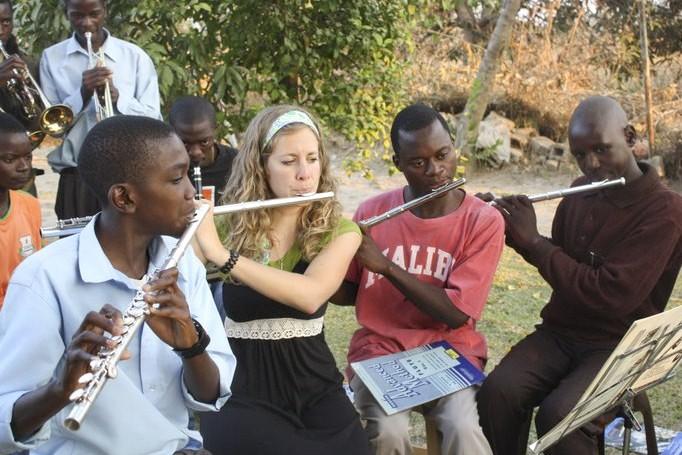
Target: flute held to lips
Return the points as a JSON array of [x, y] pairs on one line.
[[369, 222], [594, 186], [104, 366], [75, 225]]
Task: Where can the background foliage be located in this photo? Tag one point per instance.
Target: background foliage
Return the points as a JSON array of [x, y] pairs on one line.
[[356, 62], [336, 56]]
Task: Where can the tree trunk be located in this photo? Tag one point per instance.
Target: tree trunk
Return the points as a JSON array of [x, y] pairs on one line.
[[482, 88], [646, 69]]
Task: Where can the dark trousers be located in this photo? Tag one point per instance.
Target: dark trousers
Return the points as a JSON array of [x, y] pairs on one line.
[[74, 198], [544, 370]]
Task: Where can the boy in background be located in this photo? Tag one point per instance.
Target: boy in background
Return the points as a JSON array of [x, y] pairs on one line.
[[19, 211]]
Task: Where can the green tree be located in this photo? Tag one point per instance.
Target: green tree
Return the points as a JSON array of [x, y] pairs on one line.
[[339, 57]]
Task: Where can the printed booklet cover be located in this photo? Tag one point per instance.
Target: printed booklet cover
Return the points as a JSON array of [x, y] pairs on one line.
[[406, 379]]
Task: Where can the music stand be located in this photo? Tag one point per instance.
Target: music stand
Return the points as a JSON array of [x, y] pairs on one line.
[[646, 356]]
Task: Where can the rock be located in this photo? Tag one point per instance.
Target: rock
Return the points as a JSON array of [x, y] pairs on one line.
[[515, 155], [519, 141], [528, 131], [494, 117], [552, 164], [560, 152], [494, 134], [540, 146]]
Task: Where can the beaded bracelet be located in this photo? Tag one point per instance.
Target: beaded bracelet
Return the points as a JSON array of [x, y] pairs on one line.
[[230, 263]]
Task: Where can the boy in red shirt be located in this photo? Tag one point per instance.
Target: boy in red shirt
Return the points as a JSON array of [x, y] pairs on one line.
[[421, 277], [19, 211]]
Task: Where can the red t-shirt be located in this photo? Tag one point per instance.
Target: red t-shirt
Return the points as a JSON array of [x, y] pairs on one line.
[[458, 252], [19, 235]]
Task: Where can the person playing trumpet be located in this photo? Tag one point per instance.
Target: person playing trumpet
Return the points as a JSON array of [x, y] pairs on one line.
[[20, 62], [67, 76], [613, 258], [422, 277], [17, 62]]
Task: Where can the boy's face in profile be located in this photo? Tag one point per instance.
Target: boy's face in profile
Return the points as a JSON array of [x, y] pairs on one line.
[[166, 195], [15, 161]]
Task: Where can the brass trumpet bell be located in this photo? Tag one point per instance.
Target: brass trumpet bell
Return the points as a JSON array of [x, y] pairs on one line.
[[53, 119], [56, 119]]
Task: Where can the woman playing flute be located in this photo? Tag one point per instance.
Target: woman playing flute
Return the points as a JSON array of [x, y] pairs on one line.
[[283, 266]]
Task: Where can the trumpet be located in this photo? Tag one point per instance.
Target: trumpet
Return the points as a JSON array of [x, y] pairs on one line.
[[594, 186], [75, 225], [52, 119], [104, 366], [372, 221], [34, 137], [97, 58]]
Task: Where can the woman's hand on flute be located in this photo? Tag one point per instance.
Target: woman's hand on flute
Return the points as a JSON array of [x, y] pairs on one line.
[[208, 241]]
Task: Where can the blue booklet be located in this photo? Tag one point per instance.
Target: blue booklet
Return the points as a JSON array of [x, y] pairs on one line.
[[406, 379], [669, 442]]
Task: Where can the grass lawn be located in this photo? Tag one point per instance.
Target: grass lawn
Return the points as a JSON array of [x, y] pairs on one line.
[[517, 295]]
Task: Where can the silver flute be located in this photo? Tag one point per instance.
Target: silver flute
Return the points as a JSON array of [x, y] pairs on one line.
[[75, 225], [103, 367], [594, 186], [372, 221]]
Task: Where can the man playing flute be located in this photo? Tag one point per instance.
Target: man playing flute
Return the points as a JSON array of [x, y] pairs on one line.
[[421, 277], [613, 257]]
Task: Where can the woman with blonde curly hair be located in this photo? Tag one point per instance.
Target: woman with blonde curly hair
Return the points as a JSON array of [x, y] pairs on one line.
[[283, 264]]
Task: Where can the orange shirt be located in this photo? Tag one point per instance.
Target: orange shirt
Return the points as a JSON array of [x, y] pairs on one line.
[[19, 235]]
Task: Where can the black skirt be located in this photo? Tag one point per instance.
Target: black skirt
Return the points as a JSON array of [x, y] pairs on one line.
[[288, 396]]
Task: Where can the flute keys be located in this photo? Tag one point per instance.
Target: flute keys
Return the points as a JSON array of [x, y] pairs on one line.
[[87, 377], [112, 371], [76, 395], [136, 312], [96, 364], [127, 320]]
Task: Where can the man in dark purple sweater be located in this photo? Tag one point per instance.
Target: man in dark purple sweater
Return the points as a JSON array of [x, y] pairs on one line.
[[613, 258]]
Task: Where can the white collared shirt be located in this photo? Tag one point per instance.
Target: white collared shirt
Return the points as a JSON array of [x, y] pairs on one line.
[[61, 76], [144, 410]]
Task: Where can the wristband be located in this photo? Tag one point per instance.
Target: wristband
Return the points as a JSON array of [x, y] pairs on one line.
[[199, 347], [230, 263]]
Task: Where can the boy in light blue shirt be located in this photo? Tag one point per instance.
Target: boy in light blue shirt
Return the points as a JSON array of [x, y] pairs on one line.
[[65, 302]]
